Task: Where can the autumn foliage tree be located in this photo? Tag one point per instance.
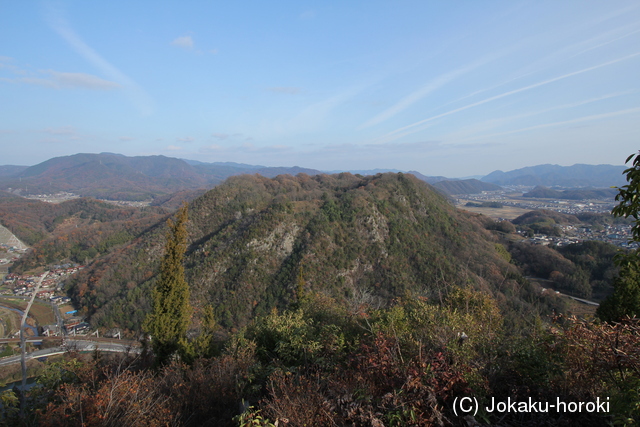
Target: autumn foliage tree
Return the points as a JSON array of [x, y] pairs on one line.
[[168, 322]]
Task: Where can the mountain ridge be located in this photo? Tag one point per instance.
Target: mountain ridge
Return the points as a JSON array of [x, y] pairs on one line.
[[252, 239], [578, 175], [119, 177]]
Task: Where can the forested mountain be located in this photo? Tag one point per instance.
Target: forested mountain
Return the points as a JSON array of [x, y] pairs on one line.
[[370, 296], [599, 176], [256, 243], [77, 230], [465, 186], [118, 177], [106, 175], [175, 200], [571, 194], [11, 170]]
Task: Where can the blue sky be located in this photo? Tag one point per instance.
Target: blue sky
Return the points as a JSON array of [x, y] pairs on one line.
[[453, 88]]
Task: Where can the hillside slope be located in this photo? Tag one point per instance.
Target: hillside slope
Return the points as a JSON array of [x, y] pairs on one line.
[[572, 194], [254, 240], [465, 186]]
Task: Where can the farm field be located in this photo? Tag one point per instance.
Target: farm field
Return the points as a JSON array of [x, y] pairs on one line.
[[40, 311], [506, 212]]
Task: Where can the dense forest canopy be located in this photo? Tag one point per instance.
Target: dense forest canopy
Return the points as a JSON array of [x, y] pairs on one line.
[[378, 236], [330, 300]]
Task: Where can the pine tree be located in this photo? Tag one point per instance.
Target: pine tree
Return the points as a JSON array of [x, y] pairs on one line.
[[168, 322]]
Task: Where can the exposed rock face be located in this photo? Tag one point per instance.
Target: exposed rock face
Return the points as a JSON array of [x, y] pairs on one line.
[[279, 240], [252, 237]]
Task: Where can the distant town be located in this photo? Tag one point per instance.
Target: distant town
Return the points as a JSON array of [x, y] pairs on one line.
[[63, 196], [511, 197]]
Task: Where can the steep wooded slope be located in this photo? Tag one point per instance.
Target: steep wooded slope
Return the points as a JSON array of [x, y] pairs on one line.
[[76, 230], [253, 240]]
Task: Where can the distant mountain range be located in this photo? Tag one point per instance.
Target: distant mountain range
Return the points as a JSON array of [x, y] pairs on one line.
[[118, 177], [115, 176], [597, 176]]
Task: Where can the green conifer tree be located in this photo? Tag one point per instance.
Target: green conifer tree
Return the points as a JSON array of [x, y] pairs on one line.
[[168, 322]]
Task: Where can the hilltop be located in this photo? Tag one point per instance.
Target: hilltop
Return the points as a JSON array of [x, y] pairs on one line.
[[255, 240]]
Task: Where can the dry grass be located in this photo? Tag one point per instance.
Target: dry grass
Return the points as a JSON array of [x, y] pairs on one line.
[[506, 212], [40, 311], [64, 309], [579, 309], [12, 373], [10, 320]]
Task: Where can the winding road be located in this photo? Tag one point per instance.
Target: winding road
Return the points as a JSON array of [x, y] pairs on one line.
[[76, 345]]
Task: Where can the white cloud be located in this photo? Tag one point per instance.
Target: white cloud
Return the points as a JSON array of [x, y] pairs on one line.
[[414, 127], [63, 80], [82, 80], [590, 118], [470, 132], [6, 63], [285, 90], [313, 116], [135, 93], [220, 136], [35, 81], [211, 147], [186, 139], [51, 141], [85, 81], [185, 42], [173, 148], [125, 138], [65, 130], [245, 148], [417, 95]]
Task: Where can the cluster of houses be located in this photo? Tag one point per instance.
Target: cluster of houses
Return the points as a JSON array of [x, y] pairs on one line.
[[58, 197], [74, 325], [24, 285], [618, 235], [50, 290]]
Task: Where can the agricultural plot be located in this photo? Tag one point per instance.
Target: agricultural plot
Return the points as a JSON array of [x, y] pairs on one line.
[[9, 322], [40, 312]]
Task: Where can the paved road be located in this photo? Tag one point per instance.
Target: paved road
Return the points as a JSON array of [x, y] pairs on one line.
[[77, 345]]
